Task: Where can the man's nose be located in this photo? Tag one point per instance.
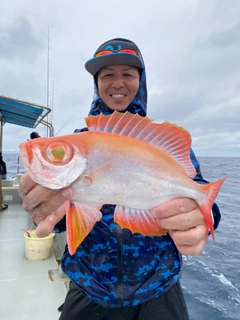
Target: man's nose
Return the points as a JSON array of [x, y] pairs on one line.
[[118, 82]]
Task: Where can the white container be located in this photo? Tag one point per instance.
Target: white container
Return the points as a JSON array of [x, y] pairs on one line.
[[37, 249]]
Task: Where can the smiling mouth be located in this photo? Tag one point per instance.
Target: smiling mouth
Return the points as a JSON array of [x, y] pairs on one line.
[[117, 96]]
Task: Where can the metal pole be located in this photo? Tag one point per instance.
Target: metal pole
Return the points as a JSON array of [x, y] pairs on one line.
[[48, 77], [1, 131]]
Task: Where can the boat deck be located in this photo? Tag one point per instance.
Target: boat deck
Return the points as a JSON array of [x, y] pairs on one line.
[[28, 289]]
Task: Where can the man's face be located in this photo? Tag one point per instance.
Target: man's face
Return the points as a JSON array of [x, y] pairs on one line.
[[118, 85]]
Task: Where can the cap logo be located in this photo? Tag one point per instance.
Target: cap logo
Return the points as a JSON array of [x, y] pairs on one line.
[[111, 48]]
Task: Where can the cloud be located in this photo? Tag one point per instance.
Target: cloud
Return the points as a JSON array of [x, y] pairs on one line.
[[19, 41], [174, 105], [190, 48], [226, 38]]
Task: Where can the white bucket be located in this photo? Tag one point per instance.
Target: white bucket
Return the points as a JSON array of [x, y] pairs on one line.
[[37, 249]]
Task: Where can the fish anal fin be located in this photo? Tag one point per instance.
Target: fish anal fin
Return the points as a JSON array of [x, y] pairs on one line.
[[80, 220], [138, 221]]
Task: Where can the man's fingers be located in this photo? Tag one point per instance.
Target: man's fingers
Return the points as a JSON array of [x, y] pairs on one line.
[[173, 207], [182, 221], [36, 196], [46, 203], [46, 225], [190, 242], [25, 185], [55, 200], [190, 237]]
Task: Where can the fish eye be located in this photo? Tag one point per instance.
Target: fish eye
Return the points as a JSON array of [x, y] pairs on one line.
[[59, 152]]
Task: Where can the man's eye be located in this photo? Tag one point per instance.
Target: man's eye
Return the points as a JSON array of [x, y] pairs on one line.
[[128, 75]]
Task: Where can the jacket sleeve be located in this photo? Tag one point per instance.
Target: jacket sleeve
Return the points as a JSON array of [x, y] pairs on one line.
[[199, 179]]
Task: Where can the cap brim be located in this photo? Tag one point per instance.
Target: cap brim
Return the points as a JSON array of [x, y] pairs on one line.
[[95, 64]]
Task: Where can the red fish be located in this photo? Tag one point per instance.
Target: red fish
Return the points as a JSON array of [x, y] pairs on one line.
[[125, 160]]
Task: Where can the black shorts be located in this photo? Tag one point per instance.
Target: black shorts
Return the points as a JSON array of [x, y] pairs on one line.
[[169, 306]]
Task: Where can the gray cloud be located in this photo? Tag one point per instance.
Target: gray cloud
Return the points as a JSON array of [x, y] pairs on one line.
[[20, 41], [174, 106], [226, 38], [191, 52]]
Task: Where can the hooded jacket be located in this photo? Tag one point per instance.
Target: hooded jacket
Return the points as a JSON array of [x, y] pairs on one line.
[[114, 267]]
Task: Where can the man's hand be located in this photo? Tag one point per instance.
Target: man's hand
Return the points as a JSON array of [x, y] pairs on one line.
[[185, 224], [45, 206]]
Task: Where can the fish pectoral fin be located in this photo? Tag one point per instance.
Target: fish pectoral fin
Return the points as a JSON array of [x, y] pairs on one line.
[[138, 221], [80, 219], [88, 179]]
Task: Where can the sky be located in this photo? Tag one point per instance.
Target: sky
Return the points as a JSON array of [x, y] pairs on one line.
[[190, 48]]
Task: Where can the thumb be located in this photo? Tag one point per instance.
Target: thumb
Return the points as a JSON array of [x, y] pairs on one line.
[[46, 225]]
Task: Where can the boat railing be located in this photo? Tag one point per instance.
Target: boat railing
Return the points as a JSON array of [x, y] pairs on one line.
[[20, 167]]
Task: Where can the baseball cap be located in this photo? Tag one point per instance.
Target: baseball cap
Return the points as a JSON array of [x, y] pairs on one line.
[[115, 51]]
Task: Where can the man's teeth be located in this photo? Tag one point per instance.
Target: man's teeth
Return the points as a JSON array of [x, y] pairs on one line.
[[118, 96]]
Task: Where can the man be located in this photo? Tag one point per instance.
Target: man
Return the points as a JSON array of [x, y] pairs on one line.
[[116, 274]]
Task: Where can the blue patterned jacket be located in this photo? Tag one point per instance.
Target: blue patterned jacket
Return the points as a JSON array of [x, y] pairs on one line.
[[114, 267]]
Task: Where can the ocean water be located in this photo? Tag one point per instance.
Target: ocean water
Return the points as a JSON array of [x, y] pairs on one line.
[[211, 281], [13, 163]]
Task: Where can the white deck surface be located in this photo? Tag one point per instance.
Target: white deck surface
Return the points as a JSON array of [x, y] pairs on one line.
[[26, 291]]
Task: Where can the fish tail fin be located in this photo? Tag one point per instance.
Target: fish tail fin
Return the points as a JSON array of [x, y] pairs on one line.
[[212, 190], [79, 220]]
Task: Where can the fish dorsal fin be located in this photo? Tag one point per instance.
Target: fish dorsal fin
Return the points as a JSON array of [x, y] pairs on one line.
[[118, 123], [166, 136]]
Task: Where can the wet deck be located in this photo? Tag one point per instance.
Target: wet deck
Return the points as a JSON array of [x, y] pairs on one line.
[[26, 291]]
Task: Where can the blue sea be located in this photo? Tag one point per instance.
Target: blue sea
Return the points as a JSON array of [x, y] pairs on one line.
[[211, 281]]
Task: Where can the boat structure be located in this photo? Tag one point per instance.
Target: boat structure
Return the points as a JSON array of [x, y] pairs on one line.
[[32, 284]]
